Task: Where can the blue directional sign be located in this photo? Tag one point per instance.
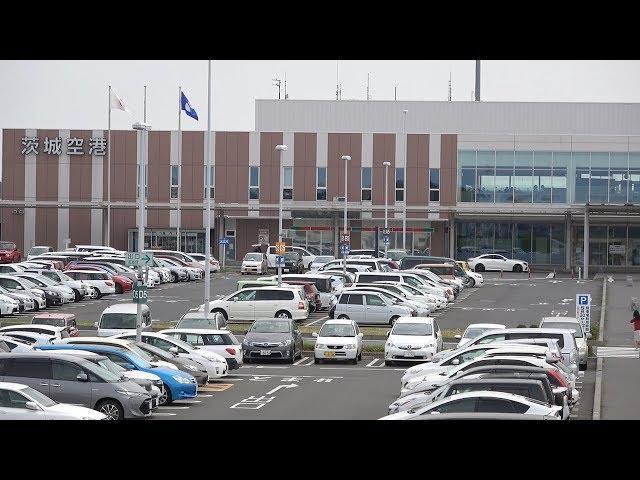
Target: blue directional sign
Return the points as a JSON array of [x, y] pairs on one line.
[[223, 241], [345, 248], [385, 239], [279, 261]]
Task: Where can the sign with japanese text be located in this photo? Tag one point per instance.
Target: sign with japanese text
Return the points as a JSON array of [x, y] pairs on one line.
[[280, 248], [70, 146], [583, 311]]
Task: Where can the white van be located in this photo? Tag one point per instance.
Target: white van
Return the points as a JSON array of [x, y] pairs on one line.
[[119, 319]]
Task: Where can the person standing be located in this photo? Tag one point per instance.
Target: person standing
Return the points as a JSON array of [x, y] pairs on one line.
[[636, 327]]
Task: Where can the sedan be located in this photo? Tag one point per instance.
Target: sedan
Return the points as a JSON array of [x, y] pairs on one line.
[[476, 329], [412, 339], [338, 340], [274, 338], [184, 364], [493, 261]]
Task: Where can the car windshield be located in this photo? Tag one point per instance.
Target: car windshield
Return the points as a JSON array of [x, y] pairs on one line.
[[30, 283], [270, 326], [576, 329], [181, 344], [63, 277], [7, 246], [337, 330], [157, 352], [45, 280], [118, 320], [38, 397], [38, 250], [110, 365], [475, 332], [102, 373], [54, 322], [417, 329], [322, 259], [291, 256], [396, 255], [253, 257]]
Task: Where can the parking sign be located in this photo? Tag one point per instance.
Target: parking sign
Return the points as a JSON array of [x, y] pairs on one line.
[[583, 310], [279, 261]]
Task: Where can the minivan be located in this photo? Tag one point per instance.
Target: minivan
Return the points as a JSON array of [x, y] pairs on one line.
[[122, 318], [57, 320], [70, 379], [369, 307], [322, 283]]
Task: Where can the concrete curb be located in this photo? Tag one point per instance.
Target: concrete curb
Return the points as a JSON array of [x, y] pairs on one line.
[[603, 308], [597, 396]]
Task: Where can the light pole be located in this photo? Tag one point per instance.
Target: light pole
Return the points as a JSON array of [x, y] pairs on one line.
[[280, 149], [346, 159], [386, 203], [404, 152], [142, 154]]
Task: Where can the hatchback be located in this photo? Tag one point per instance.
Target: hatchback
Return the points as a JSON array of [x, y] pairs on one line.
[[369, 307], [222, 342], [272, 338], [338, 340], [412, 339]]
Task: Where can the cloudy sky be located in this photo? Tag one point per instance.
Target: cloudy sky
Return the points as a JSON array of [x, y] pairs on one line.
[[73, 94]]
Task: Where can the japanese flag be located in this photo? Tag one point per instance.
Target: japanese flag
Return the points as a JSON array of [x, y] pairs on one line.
[[117, 103]]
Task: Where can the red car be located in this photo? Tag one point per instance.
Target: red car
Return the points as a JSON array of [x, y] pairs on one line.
[[9, 252]]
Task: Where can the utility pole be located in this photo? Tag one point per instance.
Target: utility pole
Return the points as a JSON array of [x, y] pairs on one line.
[[277, 82], [477, 92], [449, 85], [286, 95], [368, 96]]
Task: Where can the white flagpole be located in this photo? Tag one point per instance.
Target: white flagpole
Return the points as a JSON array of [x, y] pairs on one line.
[[179, 165], [207, 233], [108, 240]]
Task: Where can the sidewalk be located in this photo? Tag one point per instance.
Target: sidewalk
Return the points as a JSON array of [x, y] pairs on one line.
[[620, 371]]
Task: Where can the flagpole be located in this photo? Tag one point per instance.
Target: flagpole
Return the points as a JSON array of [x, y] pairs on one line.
[[108, 240], [179, 164], [207, 233]]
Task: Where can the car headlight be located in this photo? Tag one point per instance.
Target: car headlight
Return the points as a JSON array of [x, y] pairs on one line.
[[192, 368], [130, 394], [286, 343], [180, 379], [351, 345], [245, 342], [428, 345], [390, 344], [320, 345]]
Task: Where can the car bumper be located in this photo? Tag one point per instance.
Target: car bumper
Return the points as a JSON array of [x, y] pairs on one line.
[[183, 390], [335, 354], [69, 297], [582, 356], [234, 363], [202, 378], [279, 352], [216, 370], [396, 354], [50, 302], [136, 407], [250, 269]]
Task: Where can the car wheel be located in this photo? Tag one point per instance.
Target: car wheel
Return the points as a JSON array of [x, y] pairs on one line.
[[355, 360], [111, 408], [224, 314], [517, 268], [98, 293], [77, 295], [316, 360], [392, 320], [472, 283], [340, 317], [283, 314], [36, 306], [174, 278], [162, 399], [479, 268], [388, 363], [169, 399], [118, 288], [293, 355]]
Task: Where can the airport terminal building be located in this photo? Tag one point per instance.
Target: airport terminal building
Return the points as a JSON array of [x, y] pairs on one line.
[[523, 179]]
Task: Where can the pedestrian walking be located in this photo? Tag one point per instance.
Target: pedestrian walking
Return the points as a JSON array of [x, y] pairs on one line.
[[636, 327]]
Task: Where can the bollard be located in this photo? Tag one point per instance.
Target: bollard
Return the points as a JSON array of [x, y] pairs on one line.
[[572, 274], [579, 273]]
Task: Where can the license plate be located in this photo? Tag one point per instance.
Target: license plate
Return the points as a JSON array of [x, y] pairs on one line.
[[265, 352], [408, 354], [330, 354]]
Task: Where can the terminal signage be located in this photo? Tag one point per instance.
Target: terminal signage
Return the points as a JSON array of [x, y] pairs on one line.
[[68, 146], [583, 311]]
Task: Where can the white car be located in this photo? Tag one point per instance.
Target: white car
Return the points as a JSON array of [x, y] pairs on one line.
[[67, 295], [476, 329], [194, 273], [121, 318], [320, 260], [200, 258], [215, 364], [79, 289], [254, 263], [481, 401], [412, 339], [262, 302], [307, 256], [338, 340], [21, 402], [38, 250], [11, 268], [573, 324], [8, 305], [222, 342], [49, 330], [494, 261], [31, 338], [15, 345], [101, 281], [423, 309]]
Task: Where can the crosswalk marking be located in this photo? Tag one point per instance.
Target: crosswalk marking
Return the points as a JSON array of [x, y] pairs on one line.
[[617, 352]]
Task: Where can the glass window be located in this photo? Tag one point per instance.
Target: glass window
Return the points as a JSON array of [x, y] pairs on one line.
[[618, 177], [287, 182], [254, 183], [175, 180], [559, 177], [541, 244], [598, 245], [557, 243], [522, 242], [466, 240], [503, 238], [366, 183], [523, 177], [461, 405], [618, 240], [355, 299], [65, 371], [497, 405], [28, 367], [211, 181], [468, 184], [344, 299], [484, 237], [434, 184], [321, 183], [581, 161], [633, 257], [399, 184], [375, 301], [485, 176], [599, 179]]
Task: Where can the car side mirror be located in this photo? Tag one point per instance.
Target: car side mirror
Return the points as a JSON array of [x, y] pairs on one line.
[[388, 333], [455, 361], [458, 337], [95, 324], [174, 350], [82, 377], [246, 332], [31, 406], [589, 335], [314, 335]]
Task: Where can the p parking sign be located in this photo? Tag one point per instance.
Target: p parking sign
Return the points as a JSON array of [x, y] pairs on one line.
[[583, 310]]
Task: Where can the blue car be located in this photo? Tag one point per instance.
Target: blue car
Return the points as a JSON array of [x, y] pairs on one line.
[[178, 385]]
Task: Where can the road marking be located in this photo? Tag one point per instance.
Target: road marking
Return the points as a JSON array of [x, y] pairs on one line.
[[303, 359], [617, 352], [187, 402], [171, 407], [372, 362], [205, 395], [288, 385], [287, 376], [162, 414], [219, 387], [316, 321], [269, 366]]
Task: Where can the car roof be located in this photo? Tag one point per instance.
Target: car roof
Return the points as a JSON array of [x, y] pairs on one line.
[[53, 315], [426, 320], [73, 351], [12, 386], [338, 321], [560, 319], [97, 340], [83, 346], [496, 326], [82, 271], [492, 380], [206, 331], [30, 326], [40, 353], [124, 308], [532, 330], [482, 416]]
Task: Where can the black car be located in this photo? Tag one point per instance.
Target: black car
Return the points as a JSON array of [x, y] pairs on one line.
[[196, 371], [272, 338], [293, 262]]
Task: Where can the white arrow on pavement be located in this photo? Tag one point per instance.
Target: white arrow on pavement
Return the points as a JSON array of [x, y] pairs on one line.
[[289, 385]]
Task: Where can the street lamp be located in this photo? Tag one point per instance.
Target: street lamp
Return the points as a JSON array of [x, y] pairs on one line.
[[386, 203], [280, 149], [346, 159], [404, 152], [142, 155]]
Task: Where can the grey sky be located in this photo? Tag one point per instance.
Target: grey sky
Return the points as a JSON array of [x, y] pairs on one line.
[[73, 94]]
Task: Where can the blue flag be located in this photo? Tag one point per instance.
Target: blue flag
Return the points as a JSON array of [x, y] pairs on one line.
[[186, 106]]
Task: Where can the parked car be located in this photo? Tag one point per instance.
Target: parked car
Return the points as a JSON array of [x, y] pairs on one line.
[[178, 274], [12, 344], [573, 324], [214, 321], [319, 261], [411, 339], [293, 262], [67, 320], [483, 402], [101, 281], [179, 258], [396, 254], [38, 250], [12, 268], [311, 294], [252, 303], [198, 371], [41, 297], [52, 331], [368, 307], [422, 309], [200, 258], [195, 273], [477, 280], [8, 305], [273, 338], [254, 263], [26, 301], [122, 318], [30, 338], [475, 329], [307, 256], [375, 264], [21, 402], [66, 294], [493, 261], [80, 290], [338, 340], [9, 252], [68, 379], [222, 342], [322, 283]]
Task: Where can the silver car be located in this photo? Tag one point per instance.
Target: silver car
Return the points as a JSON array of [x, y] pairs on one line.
[[369, 307], [69, 379]]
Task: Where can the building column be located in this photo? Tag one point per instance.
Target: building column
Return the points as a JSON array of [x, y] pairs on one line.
[[452, 236], [585, 272], [567, 241]]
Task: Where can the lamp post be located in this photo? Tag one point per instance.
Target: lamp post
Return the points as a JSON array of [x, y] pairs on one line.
[[280, 149], [142, 154], [386, 203], [404, 152], [346, 159]]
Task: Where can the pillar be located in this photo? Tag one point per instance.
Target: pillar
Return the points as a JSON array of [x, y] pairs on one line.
[[452, 236], [585, 269], [568, 249]]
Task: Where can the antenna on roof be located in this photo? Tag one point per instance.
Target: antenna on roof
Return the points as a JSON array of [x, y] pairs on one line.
[[276, 83], [449, 85]]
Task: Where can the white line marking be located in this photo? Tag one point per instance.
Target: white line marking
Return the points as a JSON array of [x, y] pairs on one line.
[[303, 359], [372, 362], [269, 366], [187, 402], [173, 408], [316, 321], [204, 395], [288, 376], [163, 414]]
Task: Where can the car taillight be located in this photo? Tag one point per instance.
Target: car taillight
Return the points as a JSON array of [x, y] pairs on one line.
[[109, 284], [558, 376], [300, 305], [232, 351]]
